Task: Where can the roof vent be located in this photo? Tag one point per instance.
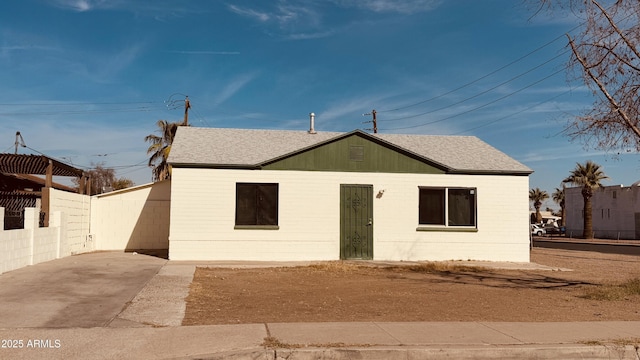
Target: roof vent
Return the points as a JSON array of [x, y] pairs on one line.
[[312, 120]]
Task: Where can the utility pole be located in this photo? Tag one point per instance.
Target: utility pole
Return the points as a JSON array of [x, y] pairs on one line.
[[19, 141], [374, 121], [187, 105]]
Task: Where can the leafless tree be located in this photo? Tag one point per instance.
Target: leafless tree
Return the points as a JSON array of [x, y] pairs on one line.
[[104, 179], [606, 56]]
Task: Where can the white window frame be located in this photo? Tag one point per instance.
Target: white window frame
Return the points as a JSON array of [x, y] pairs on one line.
[[446, 226]]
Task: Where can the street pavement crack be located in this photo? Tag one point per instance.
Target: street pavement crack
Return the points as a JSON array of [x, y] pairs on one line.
[[503, 333]]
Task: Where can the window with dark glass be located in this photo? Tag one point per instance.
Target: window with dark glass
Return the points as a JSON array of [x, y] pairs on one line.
[[462, 207], [447, 206], [431, 206], [256, 204]]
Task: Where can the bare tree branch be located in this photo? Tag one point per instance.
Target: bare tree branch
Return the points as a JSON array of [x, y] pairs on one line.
[[616, 29], [606, 57], [603, 89]]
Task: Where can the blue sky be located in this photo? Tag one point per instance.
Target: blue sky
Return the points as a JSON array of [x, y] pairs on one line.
[[85, 80]]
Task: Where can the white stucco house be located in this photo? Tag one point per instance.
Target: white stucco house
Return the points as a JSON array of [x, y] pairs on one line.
[[274, 195], [615, 211]]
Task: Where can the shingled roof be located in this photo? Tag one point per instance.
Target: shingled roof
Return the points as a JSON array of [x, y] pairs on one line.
[[250, 148]]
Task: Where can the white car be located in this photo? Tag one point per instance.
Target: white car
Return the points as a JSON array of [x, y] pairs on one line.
[[537, 230]]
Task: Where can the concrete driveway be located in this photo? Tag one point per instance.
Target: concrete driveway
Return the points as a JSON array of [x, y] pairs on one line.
[[87, 290]]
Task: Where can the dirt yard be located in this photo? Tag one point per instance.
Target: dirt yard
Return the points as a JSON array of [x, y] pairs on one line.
[[600, 287]]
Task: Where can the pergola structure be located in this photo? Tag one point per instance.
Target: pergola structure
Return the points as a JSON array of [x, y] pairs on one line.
[[43, 165]]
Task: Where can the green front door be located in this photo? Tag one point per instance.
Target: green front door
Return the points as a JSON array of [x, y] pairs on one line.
[[356, 222]]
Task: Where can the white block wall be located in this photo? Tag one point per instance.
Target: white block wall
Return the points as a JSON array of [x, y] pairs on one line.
[[33, 244], [15, 246], [203, 216], [135, 218], [132, 219], [77, 210]]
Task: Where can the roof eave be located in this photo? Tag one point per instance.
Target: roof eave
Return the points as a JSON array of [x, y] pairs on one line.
[[491, 172], [216, 166]]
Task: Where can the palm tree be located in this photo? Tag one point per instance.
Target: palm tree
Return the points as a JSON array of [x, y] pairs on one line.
[[558, 197], [589, 176], [538, 196], [160, 148]]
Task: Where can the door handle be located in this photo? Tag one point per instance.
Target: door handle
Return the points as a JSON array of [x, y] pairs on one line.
[[370, 222]]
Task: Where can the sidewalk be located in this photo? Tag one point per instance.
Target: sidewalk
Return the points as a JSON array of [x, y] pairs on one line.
[[596, 241], [147, 324], [628, 247], [437, 340]]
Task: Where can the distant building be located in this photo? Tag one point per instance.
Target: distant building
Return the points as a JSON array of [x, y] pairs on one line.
[[547, 218], [615, 210]]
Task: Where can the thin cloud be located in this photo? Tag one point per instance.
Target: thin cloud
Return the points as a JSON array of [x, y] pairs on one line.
[[159, 10], [350, 112], [300, 15], [392, 6], [285, 14], [342, 109], [6, 52], [305, 19], [203, 52], [307, 36], [102, 68], [559, 89], [19, 42], [83, 135], [124, 58], [26, 47], [110, 67], [233, 87], [557, 153], [295, 20], [82, 5], [250, 13]]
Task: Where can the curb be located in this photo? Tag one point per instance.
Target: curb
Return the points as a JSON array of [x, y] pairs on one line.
[[537, 352]]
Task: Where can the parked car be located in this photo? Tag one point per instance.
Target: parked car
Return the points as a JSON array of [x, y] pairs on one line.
[[559, 230], [537, 230]]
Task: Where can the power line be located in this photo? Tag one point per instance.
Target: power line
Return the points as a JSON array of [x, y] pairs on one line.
[[201, 118], [141, 163], [77, 112], [56, 159], [117, 167], [482, 77], [133, 168], [79, 103], [199, 115], [513, 114], [478, 94], [487, 75], [481, 106], [497, 70]]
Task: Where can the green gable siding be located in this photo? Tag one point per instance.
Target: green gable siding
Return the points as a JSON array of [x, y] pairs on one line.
[[355, 154]]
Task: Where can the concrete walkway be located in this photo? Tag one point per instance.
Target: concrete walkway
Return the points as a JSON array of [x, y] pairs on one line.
[[458, 340], [148, 297]]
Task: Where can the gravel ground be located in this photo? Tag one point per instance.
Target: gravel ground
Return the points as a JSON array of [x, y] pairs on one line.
[[346, 292]]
